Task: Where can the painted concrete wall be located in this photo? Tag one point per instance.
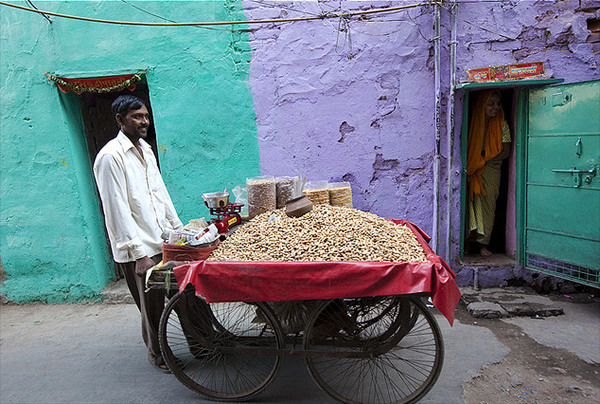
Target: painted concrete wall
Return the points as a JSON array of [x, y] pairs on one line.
[[348, 99], [554, 32], [52, 240], [351, 102], [365, 112], [354, 99]]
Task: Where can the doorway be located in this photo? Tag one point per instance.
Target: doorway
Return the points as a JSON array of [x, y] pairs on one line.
[[504, 203], [100, 126]]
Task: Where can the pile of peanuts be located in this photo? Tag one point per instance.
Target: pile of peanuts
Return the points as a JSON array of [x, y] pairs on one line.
[[327, 233]]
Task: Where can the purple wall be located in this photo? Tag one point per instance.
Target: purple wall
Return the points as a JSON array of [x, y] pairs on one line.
[[554, 32], [353, 106], [354, 99]]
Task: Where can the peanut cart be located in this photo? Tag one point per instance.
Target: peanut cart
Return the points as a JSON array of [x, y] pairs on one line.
[[364, 328]]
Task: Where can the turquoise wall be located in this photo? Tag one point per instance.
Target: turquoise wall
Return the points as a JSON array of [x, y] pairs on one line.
[[52, 241]]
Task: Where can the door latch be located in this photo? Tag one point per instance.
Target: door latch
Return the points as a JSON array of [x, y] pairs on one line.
[[577, 175], [562, 98]]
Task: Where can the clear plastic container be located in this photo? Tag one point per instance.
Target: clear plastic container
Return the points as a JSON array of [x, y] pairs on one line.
[[286, 189], [262, 195]]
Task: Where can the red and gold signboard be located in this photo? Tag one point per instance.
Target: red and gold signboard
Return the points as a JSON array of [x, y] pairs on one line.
[[96, 84], [508, 72]]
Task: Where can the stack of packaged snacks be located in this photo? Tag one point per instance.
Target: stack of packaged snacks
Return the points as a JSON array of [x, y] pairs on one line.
[[317, 192], [340, 194]]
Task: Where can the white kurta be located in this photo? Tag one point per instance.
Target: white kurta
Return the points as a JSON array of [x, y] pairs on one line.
[[137, 206]]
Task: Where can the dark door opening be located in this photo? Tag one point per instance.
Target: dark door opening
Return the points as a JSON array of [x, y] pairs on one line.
[[498, 239], [100, 125], [497, 243]]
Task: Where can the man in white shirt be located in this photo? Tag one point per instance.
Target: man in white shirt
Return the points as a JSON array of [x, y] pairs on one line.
[[137, 209]]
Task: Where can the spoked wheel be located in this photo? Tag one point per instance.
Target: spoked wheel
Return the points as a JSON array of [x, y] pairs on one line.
[[378, 350], [224, 351]]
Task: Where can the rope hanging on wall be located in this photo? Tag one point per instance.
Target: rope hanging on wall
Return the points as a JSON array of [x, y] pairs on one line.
[[96, 84]]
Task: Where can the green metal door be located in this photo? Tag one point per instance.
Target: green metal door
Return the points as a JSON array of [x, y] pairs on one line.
[[562, 209]]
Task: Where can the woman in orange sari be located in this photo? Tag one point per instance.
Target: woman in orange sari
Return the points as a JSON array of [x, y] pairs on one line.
[[488, 144]]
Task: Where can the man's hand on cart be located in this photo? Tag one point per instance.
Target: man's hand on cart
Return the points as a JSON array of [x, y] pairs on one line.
[[142, 265]]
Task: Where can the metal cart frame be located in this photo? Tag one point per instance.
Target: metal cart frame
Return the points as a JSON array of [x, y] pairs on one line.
[[368, 350]]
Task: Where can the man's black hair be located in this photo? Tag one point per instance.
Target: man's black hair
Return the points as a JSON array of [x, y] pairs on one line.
[[125, 103]]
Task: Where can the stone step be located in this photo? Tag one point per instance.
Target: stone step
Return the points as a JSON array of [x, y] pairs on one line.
[[508, 302], [117, 293]]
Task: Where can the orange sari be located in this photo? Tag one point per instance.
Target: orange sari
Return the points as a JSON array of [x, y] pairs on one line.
[[483, 143]]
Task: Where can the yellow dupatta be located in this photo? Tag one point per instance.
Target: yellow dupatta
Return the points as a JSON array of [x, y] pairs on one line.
[[476, 161]]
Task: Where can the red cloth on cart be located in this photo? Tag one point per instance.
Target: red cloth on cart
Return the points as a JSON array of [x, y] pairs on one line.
[[251, 281]]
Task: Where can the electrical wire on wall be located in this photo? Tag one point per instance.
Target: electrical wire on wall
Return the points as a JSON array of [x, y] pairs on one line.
[[344, 16], [322, 16], [45, 16], [344, 28], [160, 17]]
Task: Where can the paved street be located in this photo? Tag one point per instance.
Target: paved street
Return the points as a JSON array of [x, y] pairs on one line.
[[94, 354]]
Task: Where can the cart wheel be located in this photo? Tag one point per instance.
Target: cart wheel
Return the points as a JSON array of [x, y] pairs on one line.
[[223, 351], [374, 350]]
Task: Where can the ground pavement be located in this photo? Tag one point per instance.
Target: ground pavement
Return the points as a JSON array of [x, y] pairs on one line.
[[93, 353]]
